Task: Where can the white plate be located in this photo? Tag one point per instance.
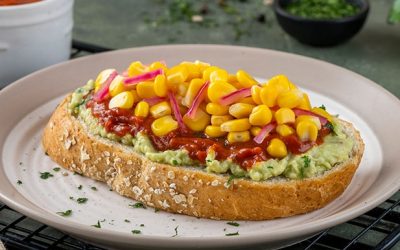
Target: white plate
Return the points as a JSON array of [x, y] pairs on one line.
[[27, 104]]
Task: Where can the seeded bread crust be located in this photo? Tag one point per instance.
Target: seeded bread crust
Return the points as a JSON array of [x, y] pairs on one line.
[[190, 190]]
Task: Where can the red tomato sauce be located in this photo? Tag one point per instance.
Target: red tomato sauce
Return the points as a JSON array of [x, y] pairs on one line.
[[122, 122], [16, 2]]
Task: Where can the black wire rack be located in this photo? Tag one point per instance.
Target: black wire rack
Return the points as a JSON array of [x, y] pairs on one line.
[[377, 229]]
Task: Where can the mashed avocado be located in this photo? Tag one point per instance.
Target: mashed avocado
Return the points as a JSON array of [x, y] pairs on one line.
[[335, 150]]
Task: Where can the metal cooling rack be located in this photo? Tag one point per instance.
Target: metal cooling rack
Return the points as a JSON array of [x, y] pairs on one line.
[[376, 229]]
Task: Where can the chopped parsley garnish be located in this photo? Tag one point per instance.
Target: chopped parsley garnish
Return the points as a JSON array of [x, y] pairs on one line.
[[176, 231], [156, 210], [82, 200], [138, 205], [93, 188], [98, 225], [19, 182], [230, 179], [329, 125], [175, 162], [71, 198], [142, 225], [56, 169], [232, 223], [45, 175], [66, 213], [232, 234], [20, 163], [79, 187], [76, 173], [136, 231], [322, 107], [127, 221], [270, 167], [306, 160]]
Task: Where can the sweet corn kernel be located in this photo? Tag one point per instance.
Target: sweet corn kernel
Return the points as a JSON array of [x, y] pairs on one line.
[[255, 131], [218, 89], [268, 95], [214, 131], [248, 100], [277, 148], [158, 65], [160, 109], [255, 94], [199, 122], [142, 109], [280, 82], [284, 130], [164, 125], [232, 79], [304, 103], [207, 72], [284, 115], [310, 118], [245, 79], [217, 120], [216, 109], [136, 68], [289, 98], [194, 70], [201, 66], [307, 131], [236, 125], [123, 100], [219, 75], [145, 89], [292, 85], [192, 91], [183, 88], [240, 110], [176, 75], [260, 115], [136, 97], [322, 112], [103, 75], [117, 86], [160, 86], [238, 136]]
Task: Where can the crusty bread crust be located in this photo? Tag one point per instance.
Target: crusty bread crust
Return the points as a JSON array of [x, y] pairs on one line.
[[190, 190]]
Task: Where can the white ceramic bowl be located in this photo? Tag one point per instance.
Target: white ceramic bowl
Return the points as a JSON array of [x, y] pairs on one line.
[[33, 36]]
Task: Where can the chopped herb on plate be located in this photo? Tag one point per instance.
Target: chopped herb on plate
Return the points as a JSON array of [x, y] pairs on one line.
[[232, 234], [82, 200], [66, 213], [136, 231], [98, 225], [138, 205], [19, 182], [45, 175], [232, 223], [176, 231], [93, 188], [56, 169], [80, 187]]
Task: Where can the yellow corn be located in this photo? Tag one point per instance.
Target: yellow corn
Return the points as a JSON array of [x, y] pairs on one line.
[[117, 86], [280, 82], [307, 131], [236, 125], [160, 109], [232, 79], [284, 130], [255, 94], [194, 70], [192, 91], [322, 112], [304, 103], [247, 100], [255, 131], [268, 95], [245, 80], [217, 120], [292, 85], [158, 65], [260, 115], [199, 122], [123, 100], [176, 75], [310, 118], [145, 89], [201, 65], [240, 110], [136, 97], [289, 98], [142, 109], [207, 72], [160, 86], [284, 115], [219, 75], [103, 75], [164, 125], [277, 148], [136, 68], [183, 88], [214, 131], [216, 109], [238, 136], [218, 89]]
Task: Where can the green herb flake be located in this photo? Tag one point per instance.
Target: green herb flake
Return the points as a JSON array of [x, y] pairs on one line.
[[142, 225], [232, 223], [136, 231], [45, 175], [175, 162], [306, 160], [138, 205], [329, 125], [156, 210], [66, 213], [230, 179], [82, 200], [20, 163], [19, 182], [127, 221], [270, 167], [56, 169], [98, 225], [176, 231], [80, 187], [232, 234], [322, 107], [71, 198], [93, 188]]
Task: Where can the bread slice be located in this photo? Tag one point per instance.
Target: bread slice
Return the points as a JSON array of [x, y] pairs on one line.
[[190, 190]]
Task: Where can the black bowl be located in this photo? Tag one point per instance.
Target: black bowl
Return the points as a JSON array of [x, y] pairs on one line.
[[319, 32]]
